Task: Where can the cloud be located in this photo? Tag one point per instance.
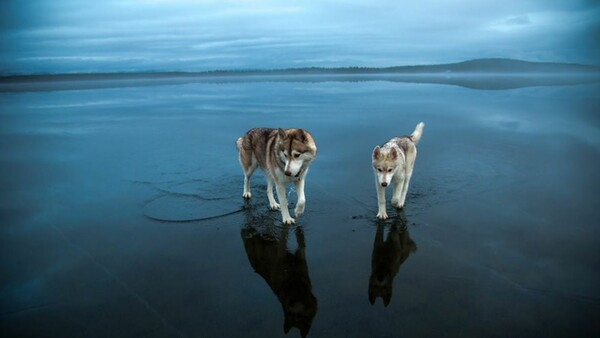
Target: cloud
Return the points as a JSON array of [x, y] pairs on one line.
[[511, 23], [67, 35], [519, 20]]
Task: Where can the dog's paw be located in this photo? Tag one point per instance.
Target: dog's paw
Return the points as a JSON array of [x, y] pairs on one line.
[[398, 205], [299, 210], [274, 206], [288, 220], [247, 195], [382, 215]]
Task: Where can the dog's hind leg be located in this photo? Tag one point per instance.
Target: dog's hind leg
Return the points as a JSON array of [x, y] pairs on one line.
[[247, 174], [249, 164], [404, 190], [410, 158], [273, 205], [397, 193]]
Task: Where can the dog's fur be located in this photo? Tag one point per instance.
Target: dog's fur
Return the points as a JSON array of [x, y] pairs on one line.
[[394, 162], [387, 257], [284, 156]]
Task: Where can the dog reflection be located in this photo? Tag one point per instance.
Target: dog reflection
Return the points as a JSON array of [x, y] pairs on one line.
[[284, 271], [387, 257]]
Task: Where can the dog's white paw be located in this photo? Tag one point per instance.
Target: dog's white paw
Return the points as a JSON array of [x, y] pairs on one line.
[[247, 195], [299, 210], [288, 220], [398, 205], [274, 206], [382, 215]]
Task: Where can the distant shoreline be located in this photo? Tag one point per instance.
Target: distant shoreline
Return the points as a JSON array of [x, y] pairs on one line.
[[494, 74], [472, 81], [266, 75], [478, 67]]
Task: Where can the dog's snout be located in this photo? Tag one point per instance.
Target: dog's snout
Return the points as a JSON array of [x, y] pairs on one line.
[[288, 173], [384, 184]]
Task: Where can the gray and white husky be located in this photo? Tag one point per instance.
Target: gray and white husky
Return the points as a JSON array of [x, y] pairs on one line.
[[284, 156], [394, 162]]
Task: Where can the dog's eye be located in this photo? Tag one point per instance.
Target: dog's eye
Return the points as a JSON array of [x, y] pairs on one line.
[[296, 155], [379, 169], [389, 170]]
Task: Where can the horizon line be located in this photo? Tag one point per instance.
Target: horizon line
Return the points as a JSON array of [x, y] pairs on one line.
[[383, 69]]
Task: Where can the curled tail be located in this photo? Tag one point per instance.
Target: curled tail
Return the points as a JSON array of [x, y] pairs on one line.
[[416, 135]]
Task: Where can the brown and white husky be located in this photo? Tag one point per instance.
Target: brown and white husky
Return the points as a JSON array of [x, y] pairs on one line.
[[284, 156], [394, 162]]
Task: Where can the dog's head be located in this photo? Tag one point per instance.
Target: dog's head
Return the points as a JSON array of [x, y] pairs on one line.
[[386, 161], [296, 148], [380, 285]]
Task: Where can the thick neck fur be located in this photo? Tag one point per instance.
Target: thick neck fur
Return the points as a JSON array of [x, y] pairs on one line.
[[291, 149]]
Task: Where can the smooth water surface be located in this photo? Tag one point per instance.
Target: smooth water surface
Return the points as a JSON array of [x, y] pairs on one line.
[[112, 198]]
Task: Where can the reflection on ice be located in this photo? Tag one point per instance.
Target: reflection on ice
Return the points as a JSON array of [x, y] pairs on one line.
[[472, 81], [285, 271], [387, 257]]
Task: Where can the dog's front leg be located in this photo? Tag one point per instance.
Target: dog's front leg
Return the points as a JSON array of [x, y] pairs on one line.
[[272, 203], [285, 213], [301, 199], [382, 213]]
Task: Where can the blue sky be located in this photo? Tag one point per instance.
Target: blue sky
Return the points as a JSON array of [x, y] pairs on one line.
[[58, 36]]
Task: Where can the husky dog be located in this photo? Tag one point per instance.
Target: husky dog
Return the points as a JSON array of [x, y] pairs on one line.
[[284, 157], [393, 162]]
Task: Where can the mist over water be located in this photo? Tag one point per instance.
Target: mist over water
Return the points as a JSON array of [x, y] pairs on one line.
[[122, 211]]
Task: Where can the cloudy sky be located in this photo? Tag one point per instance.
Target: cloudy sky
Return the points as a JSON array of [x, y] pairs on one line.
[[58, 36]]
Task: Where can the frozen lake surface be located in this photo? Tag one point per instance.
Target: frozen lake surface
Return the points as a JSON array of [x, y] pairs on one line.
[[122, 213]]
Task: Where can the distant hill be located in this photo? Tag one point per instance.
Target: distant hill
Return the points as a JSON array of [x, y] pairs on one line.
[[498, 66], [477, 66]]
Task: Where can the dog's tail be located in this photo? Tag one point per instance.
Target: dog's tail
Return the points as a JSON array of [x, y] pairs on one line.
[[416, 135]]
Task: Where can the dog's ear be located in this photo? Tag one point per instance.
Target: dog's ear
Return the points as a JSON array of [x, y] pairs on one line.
[[376, 153], [281, 133], [303, 135], [287, 325], [372, 296], [394, 154], [386, 299], [412, 246]]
